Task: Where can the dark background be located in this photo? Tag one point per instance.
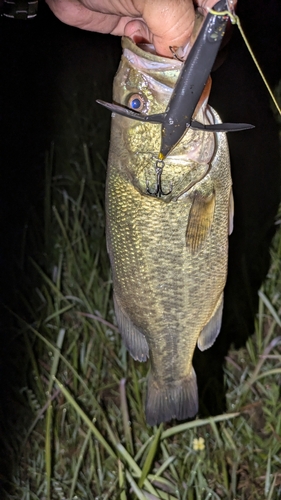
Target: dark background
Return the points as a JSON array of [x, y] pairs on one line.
[[44, 66]]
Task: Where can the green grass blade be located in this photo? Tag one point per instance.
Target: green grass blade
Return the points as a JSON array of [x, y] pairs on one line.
[[197, 423], [125, 417], [215, 431], [48, 451], [162, 468], [121, 478], [134, 467], [270, 307], [56, 359], [79, 463], [272, 489], [150, 456], [143, 448], [86, 419], [139, 494], [56, 314], [268, 475]]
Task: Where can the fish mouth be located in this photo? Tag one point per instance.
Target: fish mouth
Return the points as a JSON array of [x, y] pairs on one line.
[[148, 55], [178, 159], [143, 58], [182, 160], [178, 54]]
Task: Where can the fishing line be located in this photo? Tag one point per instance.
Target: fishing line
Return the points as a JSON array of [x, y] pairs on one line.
[[235, 20]]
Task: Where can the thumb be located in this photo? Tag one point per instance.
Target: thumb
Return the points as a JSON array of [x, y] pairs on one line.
[[138, 31]]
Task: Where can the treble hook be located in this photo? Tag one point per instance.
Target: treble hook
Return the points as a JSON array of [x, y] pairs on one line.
[[159, 165]]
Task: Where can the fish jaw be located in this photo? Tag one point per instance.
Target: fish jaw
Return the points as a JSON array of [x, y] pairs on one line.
[[168, 256]]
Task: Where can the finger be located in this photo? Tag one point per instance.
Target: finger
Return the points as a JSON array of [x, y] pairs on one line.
[[170, 22], [76, 14], [138, 31]]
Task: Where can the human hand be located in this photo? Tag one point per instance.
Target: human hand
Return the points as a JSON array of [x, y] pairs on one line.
[[163, 23]]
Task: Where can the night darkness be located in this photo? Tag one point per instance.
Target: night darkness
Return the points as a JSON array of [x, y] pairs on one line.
[[44, 62]]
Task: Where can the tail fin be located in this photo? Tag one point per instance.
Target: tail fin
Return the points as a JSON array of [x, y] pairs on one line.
[[175, 400]]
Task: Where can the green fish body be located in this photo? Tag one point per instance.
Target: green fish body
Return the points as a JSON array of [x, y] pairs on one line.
[[168, 255]]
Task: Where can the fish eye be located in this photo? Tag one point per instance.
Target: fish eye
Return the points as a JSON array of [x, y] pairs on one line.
[[136, 102]]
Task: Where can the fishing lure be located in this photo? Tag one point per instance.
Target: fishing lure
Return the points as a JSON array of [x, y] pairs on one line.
[[178, 116]]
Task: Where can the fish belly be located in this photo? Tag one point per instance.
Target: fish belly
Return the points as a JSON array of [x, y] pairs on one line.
[[169, 264]]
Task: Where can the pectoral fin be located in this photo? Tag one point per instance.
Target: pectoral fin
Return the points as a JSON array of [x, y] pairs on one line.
[[210, 332], [200, 220], [133, 339]]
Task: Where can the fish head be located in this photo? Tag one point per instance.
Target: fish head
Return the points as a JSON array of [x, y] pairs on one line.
[[144, 82], [145, 74]]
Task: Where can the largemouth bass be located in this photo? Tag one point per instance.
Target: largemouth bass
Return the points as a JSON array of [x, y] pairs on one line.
[[168, 254]]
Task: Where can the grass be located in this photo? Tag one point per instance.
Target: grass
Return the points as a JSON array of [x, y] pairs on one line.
[[85, 437], [88, 438]]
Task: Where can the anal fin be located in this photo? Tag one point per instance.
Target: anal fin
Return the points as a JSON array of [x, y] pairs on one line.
[[178, 399], [200, 220], [210, 332], [133, 339]]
